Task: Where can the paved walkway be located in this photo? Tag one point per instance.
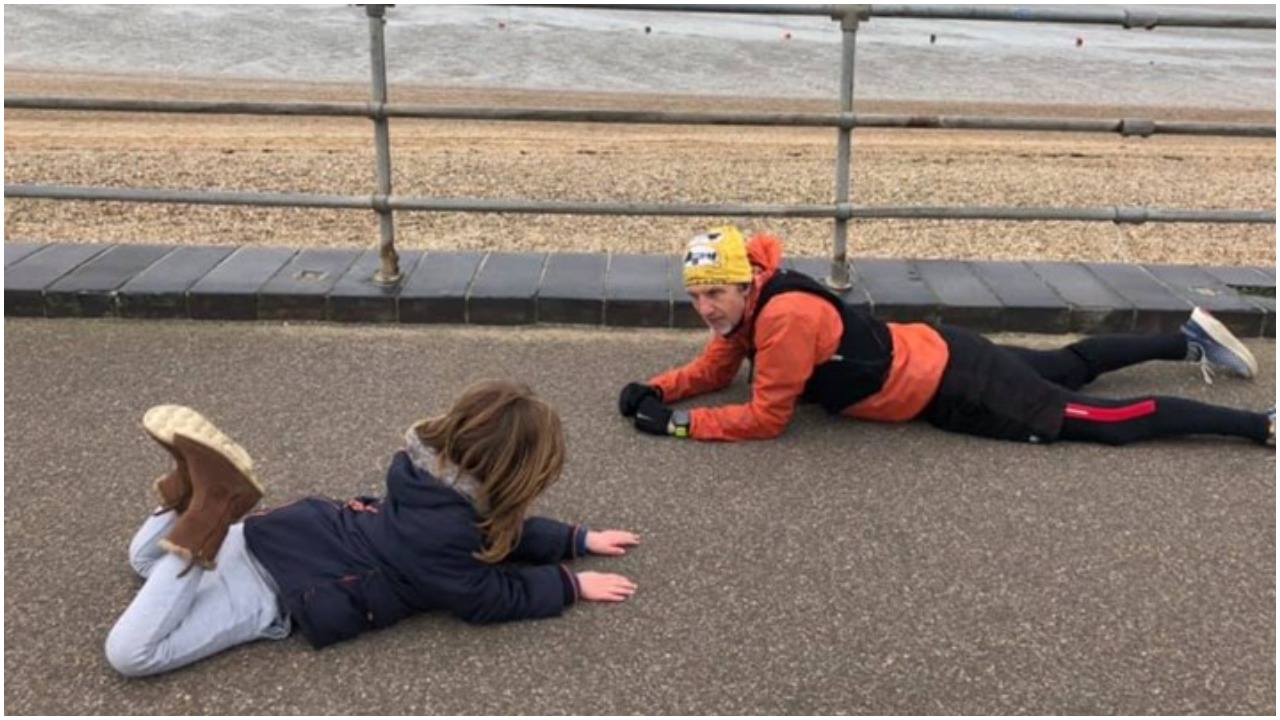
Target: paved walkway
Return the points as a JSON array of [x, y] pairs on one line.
[[257, 283], [844, 568]]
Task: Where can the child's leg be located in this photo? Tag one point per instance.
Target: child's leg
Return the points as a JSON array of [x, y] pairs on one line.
[[1119, 422], [177, 619], [1078, 364], [145, 550]]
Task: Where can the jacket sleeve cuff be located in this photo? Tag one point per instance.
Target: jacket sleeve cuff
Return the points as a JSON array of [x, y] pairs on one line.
[[580, 541], [570, 585], [662, 392]]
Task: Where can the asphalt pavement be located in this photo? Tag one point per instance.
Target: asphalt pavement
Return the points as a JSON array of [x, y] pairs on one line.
[[844, 568]]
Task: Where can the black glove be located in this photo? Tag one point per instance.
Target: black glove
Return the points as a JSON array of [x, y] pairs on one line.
[[633, 394], [653, 417]]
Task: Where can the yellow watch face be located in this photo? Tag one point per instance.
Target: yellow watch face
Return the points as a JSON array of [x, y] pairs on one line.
[[680, 422]]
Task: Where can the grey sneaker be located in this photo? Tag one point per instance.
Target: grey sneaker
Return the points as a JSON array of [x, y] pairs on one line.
[[1216, 347]]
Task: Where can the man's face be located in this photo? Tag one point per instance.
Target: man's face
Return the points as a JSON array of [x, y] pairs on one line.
[[721, 306]]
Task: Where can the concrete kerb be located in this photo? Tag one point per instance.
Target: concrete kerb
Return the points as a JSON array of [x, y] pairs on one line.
[[598, 289]]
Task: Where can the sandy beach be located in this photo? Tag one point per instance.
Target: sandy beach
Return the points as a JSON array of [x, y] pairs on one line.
[[626, 163]]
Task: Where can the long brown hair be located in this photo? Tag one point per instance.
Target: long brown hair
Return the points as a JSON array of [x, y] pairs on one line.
[[509, 440]]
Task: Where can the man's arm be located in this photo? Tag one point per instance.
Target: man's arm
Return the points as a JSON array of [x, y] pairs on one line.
[[712, 370], [793, 335]]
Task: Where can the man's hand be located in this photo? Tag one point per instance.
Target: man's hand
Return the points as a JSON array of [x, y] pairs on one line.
[[633, 394], [653, 417], [604, 587], [611, 542]]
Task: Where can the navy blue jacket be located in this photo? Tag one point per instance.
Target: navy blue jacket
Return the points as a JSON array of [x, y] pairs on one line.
[[343, 567]]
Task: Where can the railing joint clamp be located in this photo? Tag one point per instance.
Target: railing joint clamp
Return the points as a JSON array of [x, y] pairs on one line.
[[1139, 127], [1130, 215], [1139, 19]]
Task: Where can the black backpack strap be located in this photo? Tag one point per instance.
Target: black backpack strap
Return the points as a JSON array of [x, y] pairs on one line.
[[785, 281], [862, 359]]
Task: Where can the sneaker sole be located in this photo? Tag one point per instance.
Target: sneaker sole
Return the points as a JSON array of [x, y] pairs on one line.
[[165, 421], [1224, 337]]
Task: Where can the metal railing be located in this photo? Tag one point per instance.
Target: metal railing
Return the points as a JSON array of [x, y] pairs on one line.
[[379, 110]]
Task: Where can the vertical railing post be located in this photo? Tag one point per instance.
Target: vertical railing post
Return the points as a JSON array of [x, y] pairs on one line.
[[849, 17], [389, 272]]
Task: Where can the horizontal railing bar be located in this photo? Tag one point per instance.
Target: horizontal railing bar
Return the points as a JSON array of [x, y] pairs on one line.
[[205, 107], [1096, 214], [1129, 18], [192, 197], [822, 10], [1126, 126], [557, 207]]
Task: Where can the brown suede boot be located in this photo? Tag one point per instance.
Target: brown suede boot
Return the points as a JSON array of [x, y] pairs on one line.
[[224, 490], [161, 422], [174, 487]]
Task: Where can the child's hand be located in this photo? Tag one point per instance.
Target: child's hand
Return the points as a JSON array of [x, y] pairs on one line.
[[611, 542], [604, 587]]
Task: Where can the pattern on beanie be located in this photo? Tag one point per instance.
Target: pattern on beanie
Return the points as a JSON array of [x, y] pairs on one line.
[[718, 257]]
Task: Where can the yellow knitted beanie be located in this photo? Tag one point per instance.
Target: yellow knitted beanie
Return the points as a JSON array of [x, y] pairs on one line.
[[718, 257]]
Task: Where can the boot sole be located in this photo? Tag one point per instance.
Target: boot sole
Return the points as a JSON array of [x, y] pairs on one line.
[[164, 421], [1224, 337]]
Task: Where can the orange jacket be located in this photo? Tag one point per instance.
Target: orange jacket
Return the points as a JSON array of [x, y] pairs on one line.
[[795, 333]]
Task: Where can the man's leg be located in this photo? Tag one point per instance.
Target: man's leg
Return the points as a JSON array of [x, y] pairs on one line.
[[991, 391], [1119, 422], [1203, 339], [1080, 363]]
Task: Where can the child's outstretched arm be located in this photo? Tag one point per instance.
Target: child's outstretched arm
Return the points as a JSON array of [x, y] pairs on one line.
[[482, 594], [540, 586], [611, 542], [543, 540], [604, 587], [548, 541]]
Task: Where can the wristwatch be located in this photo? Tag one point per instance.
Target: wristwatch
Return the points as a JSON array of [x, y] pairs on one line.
[[680, 423]]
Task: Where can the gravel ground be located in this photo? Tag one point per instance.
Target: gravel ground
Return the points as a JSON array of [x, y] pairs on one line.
[[626, 163]]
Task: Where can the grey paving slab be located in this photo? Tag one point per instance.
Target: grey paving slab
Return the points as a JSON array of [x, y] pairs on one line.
[[1029, 305], [963, 298], [1157, 309], [357, 298], [1256, 285], [842, 568], [160, 291], [682, 313], [572, 289], [13, 252], [637, 292], [1095, 307], [300, 289], [436, 290], [1243, 276], [897, 290], [1268, 307], [504, 289], [1202, 289], [26, 279], [90, 290], [230, 290]]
